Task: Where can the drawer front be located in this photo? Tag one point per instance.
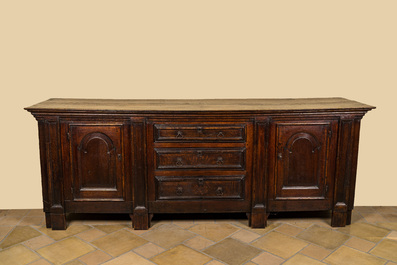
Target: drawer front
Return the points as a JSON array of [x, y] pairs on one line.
[[199, 132], [208, 187], [200, 158]]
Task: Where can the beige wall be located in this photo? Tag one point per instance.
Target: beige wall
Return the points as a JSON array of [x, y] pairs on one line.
[[197, 49]]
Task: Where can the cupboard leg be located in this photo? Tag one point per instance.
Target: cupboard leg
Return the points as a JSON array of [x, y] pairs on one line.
[[339, 215], [349, 217], [58, 221], [48, 220], [141, 218], [132, 220], [258, 220]]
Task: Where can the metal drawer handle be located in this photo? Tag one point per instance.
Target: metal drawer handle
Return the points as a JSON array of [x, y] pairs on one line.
[[220, 134], [219, 191], [179, 161], [201, 182], [179, 191], [219, 161], [179, 134]]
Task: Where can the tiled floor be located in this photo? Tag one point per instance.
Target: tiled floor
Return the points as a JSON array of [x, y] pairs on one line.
[[304, 238]]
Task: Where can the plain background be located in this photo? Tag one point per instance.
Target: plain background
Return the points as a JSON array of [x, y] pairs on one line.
[[197, 49]]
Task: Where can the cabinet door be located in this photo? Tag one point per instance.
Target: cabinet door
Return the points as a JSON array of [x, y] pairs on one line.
[[303, 159], [96, 161]]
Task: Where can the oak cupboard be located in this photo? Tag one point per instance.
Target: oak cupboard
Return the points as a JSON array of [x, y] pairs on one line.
[[143, 157]]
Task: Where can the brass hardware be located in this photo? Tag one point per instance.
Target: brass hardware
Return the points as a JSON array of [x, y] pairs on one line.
[[179, 161], [280, 156], [199, 153], [200, 130], [179, 134], [201, 182], [219, 161], [219, 191], [179, 191], [119, 157], [220, 134]]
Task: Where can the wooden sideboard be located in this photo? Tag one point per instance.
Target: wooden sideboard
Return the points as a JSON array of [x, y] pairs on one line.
[[143, 157]]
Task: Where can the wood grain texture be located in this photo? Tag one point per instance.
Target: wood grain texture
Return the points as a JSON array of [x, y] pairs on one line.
[[145, 157], [144, 105]]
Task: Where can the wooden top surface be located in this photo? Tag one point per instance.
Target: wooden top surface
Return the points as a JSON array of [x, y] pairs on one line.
[[155, 105]]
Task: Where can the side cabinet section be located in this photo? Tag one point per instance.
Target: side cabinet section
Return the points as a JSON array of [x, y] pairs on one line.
[[95, 160], [304, 157]]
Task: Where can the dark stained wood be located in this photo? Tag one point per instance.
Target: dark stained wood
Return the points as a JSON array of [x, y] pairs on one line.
[[96, 161], [144, 157]]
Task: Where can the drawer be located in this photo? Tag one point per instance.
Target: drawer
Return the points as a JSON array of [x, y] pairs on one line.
[[200, 158], [199, 187], [199, 132]]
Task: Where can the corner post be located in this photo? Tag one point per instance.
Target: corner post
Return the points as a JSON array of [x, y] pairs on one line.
[[51, 172], [258, 216], [346, 168], [140, 212]]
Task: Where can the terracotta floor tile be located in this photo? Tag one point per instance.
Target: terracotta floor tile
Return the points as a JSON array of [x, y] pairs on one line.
[[61, 234], [119, 242], [364, 209], [36, 212], [316, 252], [136, 232], [357, 217], [91, 234], [74, 262], [267, 259], [348, 256], [18, 255], [10, 220], [262, 231], [365, 231], [300, 259], [245, 236], [110, 228], [167, 235], [289, 229], [214, 232], [215, 262], [4, 230], [95, 258], [184, 224], [374, 217], [392, 235], [279, 244], [181, 255], [39, 242], [391, 217], [32, 220], [388, 225], [16, 212], [199, 243], [386, 249], [65, 250], [40, 262], [324, 237], [232, 251], [149, 250], [360, 244], [18, 235], [129, 258], [385, 209]]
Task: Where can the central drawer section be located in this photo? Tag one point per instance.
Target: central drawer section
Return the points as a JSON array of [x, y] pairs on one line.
[[205, 163], [200, 158]]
